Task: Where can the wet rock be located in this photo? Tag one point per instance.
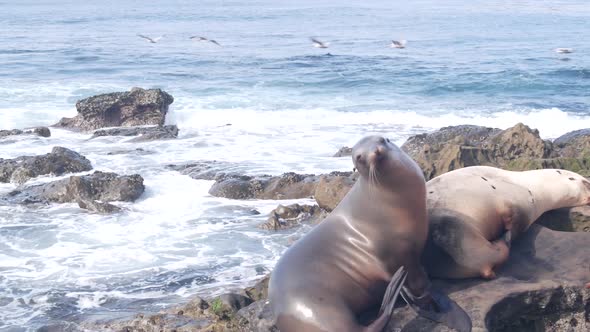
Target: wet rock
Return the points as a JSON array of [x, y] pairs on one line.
[[286, 186], [39, 131], [332, 188], [260, 290], [97, 207], [99, 186], [344, 151], [289, 216], [144, 133], [137, 107], [58, 162], [207, 170]]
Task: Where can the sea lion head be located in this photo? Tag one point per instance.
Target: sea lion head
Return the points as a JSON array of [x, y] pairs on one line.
[[578, 187], [375, 158]]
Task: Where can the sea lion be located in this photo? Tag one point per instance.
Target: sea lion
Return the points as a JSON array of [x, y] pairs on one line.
[[476, 212], [342, 267]]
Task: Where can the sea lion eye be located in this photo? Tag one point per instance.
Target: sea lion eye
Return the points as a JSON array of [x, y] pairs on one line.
[[387, 140]]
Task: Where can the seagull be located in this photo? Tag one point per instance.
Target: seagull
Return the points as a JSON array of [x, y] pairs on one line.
[[199, 38], [203, 39], [564, 50], [398, 44], [151, 40], [319, 44]]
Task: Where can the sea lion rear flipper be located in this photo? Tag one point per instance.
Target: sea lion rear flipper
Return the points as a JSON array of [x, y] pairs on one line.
[[391, 294], [448, 312]]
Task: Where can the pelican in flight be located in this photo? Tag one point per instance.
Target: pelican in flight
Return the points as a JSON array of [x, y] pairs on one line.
[[398, 44], [149, 39], [319, 44]]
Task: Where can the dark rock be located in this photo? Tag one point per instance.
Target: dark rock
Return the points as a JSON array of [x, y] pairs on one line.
[[137, 107], [99, 186], [575, 144], [576, 219], [60, 161], [286, 186], [226, 305], [260, 290], [344, 151], [144, 133], [257, 317], [98, 207], [468, 135], [284, 217], [332, 188], [39, 131], [568, 138]]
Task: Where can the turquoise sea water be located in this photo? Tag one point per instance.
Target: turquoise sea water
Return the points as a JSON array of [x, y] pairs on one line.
[[291, 105]]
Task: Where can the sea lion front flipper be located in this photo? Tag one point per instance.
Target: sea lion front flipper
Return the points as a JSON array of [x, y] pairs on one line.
[[447, 311], [391, 294]]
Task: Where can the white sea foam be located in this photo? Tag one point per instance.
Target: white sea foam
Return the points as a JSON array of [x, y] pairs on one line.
[[176, 234]]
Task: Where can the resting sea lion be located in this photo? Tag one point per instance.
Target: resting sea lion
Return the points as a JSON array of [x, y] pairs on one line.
[[341, 268], [475, 212]]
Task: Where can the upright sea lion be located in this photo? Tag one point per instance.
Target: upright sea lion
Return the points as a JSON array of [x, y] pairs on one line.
[[475, 212], [342, 267]]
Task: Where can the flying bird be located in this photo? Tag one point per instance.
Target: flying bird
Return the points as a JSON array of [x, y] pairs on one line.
[[151, 40], [203, 39], [564, 50], [398, 44], [319, 44], [199, 38]]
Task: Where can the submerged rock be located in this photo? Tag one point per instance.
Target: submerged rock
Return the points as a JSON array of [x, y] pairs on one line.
[[96, 206], [144, 133], [98, 186], [137, 107], [58, 162], [39, 131], [289, 216], [207, 169]]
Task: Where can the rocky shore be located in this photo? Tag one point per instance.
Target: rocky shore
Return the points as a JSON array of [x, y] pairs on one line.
[[540, 287]]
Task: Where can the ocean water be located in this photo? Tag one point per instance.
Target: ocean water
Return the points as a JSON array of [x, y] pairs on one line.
[[291, 107]]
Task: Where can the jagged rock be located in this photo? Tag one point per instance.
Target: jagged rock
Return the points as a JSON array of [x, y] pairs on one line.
[[39, 131], [137, 107], [260, 290], [286, 186], [332, 188], [58, 162], [575, 144], [576, 219], [99, 186], [284, 217], [257, 317], [344, 151], [98, 207], [517, 142], [518, 148], [144, 133]]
